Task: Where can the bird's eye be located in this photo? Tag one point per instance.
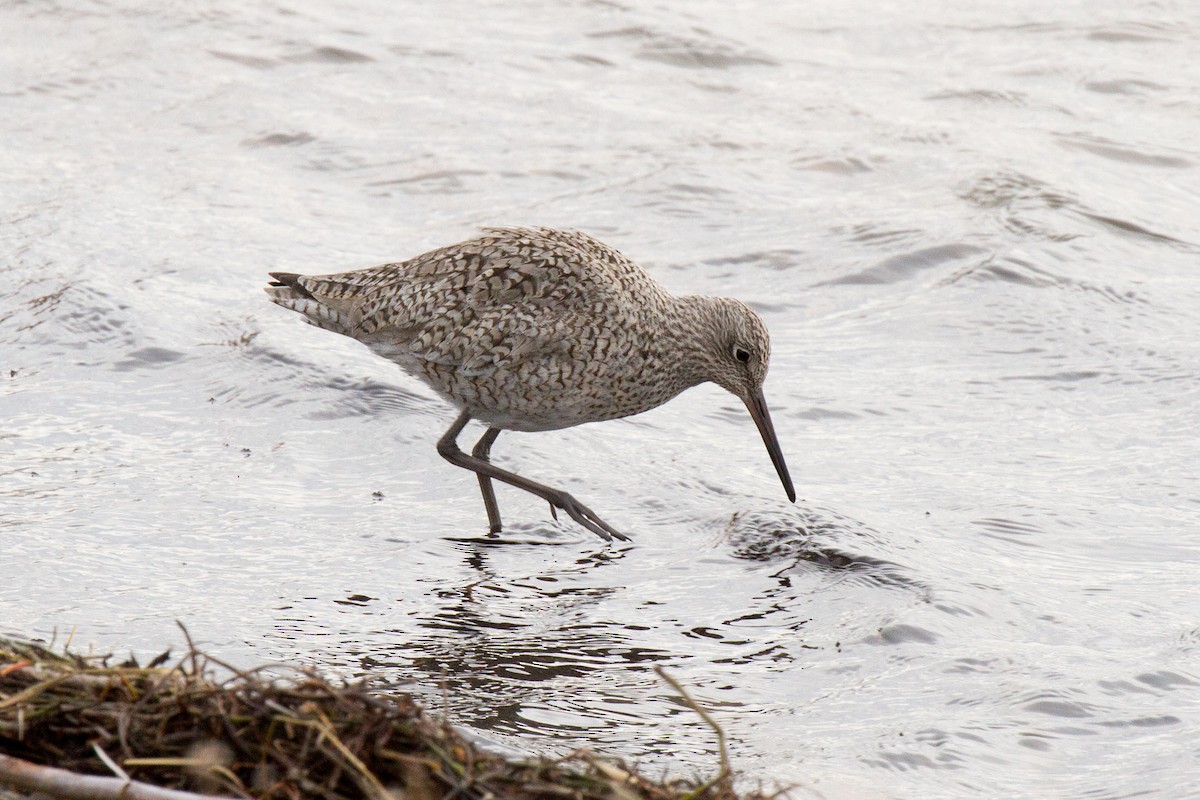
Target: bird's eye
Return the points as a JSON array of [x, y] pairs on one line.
[[741, 354]]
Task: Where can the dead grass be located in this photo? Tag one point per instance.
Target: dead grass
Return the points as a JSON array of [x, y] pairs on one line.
[[202, 726]]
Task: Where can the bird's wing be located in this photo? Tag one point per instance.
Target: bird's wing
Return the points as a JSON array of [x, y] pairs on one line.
[[511, 295]]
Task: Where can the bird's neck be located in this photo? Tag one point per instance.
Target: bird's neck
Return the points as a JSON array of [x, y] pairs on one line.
[[695, 320]]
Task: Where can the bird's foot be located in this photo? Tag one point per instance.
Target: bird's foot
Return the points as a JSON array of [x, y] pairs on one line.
[[584, 516]]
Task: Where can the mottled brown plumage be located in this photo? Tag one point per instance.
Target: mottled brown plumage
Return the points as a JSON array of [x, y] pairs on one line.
[[533, 329]]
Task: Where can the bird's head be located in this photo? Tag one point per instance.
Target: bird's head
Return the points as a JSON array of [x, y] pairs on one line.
[[736, 358], [739, 349]]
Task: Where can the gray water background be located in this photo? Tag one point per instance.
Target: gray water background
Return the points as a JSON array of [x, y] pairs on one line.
[[971, 228]]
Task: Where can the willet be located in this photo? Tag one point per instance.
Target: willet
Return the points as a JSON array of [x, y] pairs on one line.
[[536, 329]]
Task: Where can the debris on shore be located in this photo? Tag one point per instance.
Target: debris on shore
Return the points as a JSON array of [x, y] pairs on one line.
[[76, 726]]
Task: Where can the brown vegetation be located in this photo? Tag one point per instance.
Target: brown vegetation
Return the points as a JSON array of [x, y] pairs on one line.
[[75, 726]]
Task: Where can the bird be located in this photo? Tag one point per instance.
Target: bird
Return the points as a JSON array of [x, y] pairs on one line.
[[538, 329]]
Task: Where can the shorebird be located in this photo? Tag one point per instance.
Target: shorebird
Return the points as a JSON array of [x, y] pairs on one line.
[[537, 329]]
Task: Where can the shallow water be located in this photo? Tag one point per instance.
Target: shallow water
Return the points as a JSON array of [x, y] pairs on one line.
[[971, 232]]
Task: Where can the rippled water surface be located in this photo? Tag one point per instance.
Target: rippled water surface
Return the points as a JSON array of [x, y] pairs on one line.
[[972, 232]]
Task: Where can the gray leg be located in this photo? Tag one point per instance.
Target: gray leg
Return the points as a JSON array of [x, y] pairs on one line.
[[448, 448], [482, 451]]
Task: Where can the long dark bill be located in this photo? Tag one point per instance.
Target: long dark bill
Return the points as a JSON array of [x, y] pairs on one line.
[[757, 406]]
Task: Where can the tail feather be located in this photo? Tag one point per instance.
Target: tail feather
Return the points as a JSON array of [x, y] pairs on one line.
[[292, 281], [287, 291]]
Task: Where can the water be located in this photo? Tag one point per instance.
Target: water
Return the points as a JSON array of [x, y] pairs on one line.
[[971, 231]]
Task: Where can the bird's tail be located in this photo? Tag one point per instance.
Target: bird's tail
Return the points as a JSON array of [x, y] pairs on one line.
[[288, 290]]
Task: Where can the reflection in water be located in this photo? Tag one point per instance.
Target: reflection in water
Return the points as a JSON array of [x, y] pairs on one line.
[[519, 656], [806, 538], [560, 656]]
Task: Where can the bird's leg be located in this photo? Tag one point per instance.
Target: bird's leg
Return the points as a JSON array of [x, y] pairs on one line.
[[481, 451], [448, 448]]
